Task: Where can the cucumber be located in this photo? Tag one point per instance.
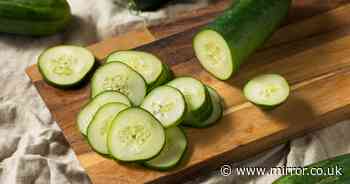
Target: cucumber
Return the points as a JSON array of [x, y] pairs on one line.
[[173, 151], [267, 90], [166, 76], [146, 64], [216, 113], [167, 104], [99, 126], [223, 45], [66, 66], [135, 135], [119, 77], [146, 4], [89, 110], [34, 17], [327, 177]]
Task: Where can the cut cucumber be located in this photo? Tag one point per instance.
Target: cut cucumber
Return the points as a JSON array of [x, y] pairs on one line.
[[65, 66], [216, 113], [166, 76], [89, 110], [119, 77], [199, 106], [146, 64], [268, 90], [174, 149], [167, 104], [135, 135], [226, 43], [99, 126]]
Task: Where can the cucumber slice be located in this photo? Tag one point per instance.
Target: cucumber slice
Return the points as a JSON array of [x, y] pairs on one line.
[[166, 76], [216, 113], [268, 90], [199, 106], [167, 104], [119, 77], [173, 151], [65, 66], [135, 135], [146, 64], [99, 126], [89, 110], [226, 43]]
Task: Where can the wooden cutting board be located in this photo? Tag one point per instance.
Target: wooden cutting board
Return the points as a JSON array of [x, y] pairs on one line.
[[312, 52]]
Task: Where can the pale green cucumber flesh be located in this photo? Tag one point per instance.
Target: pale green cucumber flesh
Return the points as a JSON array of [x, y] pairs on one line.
[[119, 77], [146, 64], [214, 54], [167, 104], [267, 90], [65, 66], [173, 151], [165, 77], [135, 135], [100, 124], [87, 113]]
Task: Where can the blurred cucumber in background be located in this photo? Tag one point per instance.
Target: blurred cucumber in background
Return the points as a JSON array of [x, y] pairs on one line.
[[34, 17], [142, 5]]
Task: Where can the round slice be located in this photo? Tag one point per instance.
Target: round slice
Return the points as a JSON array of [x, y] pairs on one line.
[[214, 53], [167, 104], [216, 113], [65, 66], [268, 90], [99, 126], [89, 110], [135, 135], [199, 106], [173, 151], [119, 77], [146, 64]]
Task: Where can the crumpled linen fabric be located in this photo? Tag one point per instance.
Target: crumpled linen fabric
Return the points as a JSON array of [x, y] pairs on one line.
[[32, 147]]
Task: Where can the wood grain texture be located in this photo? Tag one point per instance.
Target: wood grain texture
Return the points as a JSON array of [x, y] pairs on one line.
[[313, 57]]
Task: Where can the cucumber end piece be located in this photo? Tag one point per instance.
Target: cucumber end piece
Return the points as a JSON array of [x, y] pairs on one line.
[[214, 54]]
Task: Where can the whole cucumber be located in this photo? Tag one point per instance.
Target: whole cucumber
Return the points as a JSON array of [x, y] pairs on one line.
[[34, 17], [225, 44], [329, 175]]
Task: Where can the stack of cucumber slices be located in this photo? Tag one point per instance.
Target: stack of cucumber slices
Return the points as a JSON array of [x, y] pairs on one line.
[[136, 106]]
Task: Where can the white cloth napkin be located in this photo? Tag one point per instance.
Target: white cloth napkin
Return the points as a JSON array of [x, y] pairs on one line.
[[32, 147]]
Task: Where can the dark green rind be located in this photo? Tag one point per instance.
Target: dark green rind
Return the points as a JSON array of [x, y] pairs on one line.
[[34, 9], [85, 79], [145, 164], [342, 161], [193, 118], [247, 25], [146, 4], [206, 123], [44, 20], [166, 76], [140, 160]]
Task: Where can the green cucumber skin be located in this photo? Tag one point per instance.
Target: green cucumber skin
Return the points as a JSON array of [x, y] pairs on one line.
[[147, 4], [248, 24], [163, 169], [342, 161], [193, 118], [163, 78], [34, 17], [76, 85]]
